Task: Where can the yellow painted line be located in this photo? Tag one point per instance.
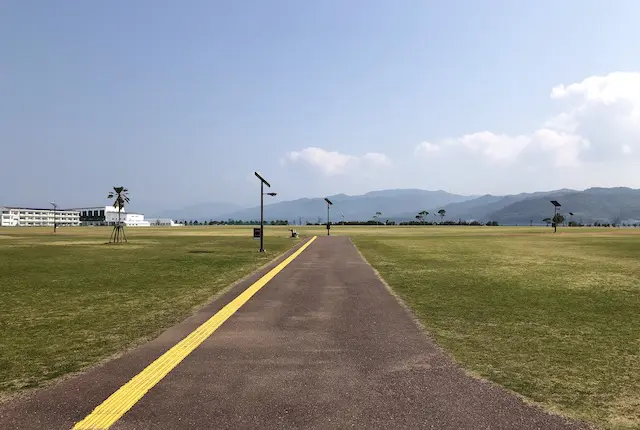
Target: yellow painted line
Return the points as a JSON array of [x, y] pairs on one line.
[[112, 409]]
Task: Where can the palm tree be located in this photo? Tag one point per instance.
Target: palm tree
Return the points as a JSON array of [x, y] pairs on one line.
[[121, 197], [442, 213]]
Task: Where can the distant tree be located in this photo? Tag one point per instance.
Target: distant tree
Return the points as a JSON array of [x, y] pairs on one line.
[[547, 220], [376, 217], [558, 218], [442, 213], [420, 218], [423, 215]]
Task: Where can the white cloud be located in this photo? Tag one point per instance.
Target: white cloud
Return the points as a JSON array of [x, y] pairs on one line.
[[601, 115], [426, 148], [330, 162], [334, 163], [377, 159]]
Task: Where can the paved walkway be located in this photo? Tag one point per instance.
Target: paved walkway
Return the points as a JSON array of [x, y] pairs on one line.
[[322, 345]]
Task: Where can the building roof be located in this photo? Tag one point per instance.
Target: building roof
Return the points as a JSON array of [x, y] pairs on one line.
[[93, 207], [38, 209]]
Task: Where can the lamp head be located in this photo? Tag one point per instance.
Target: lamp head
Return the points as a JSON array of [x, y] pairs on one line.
[[264, 181]]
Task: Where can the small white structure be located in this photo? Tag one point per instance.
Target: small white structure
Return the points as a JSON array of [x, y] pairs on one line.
[[163, 222], [133, 220], [630, 222], [34, 217], [108, 215]]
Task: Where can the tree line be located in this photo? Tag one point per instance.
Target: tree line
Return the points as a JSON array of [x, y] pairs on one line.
[[232, 222]]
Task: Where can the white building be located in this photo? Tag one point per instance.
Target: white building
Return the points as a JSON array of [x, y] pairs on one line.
[[33, 217], [108, 215], [164, 222]]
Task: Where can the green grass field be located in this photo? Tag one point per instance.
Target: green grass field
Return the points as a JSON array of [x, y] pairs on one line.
[[553, 317], [69, 300]]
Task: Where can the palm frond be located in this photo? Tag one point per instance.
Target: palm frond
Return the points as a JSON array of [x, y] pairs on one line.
[[119, 194]]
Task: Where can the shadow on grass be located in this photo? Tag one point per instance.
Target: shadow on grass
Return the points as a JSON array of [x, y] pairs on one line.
[[200, 251]]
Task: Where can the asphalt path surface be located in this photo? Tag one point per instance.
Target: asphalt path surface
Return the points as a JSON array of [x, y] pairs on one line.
[[322, 345]]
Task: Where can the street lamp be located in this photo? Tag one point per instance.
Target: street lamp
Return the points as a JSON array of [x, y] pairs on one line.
[[556, 205], [329, 203], [55, 206], [263, 182]]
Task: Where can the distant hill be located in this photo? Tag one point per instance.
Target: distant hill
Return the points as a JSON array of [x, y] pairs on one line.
[[361, 207], [480, 208], [204, 211], [593, 204], [588, 206]]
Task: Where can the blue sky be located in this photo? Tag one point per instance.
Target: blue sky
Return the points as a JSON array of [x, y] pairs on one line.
[[182, 101]]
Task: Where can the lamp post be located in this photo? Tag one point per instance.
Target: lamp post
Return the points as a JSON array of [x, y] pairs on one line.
[[329, 203], [55, 206], [263, 182], [556, 205]]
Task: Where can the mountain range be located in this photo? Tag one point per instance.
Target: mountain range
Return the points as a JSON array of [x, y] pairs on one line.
[[590, 205]]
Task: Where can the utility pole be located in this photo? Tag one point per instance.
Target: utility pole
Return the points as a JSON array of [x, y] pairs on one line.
[[263, 182], [55, 206], [556, 205], [329, 203]]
